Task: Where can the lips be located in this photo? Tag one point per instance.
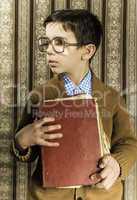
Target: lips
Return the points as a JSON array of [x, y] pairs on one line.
[[52, 61]]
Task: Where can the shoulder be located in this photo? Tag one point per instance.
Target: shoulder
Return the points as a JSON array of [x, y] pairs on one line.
[[49, 90], [110, 97], [101, 88]]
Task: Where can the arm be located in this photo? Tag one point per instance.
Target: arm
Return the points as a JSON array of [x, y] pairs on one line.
[[123, 149], [124, 144], [31, 134], [28, 154]]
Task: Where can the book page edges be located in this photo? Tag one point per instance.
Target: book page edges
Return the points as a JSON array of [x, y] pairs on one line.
[[104, 142], [81, 96]]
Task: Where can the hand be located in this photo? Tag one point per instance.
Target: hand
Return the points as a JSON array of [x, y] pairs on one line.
[[38, 133], [109, 173]]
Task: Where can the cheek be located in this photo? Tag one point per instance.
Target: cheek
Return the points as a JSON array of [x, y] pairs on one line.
[[72, 55], [70, 60]]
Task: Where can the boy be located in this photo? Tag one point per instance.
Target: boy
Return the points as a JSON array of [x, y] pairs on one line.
[[72, 38]]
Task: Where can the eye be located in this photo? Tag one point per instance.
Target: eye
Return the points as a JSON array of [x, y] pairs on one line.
[[45, 42], [58, 42]]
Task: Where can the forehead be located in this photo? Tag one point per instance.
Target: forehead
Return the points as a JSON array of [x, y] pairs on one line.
[[54, 29]]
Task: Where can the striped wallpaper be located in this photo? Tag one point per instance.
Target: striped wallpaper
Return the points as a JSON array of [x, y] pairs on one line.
[[23, 67]]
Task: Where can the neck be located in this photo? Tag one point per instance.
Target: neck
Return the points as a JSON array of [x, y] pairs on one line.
[[79, 75]]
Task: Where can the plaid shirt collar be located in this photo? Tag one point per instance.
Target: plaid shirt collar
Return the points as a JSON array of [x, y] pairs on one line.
[[83, 87]]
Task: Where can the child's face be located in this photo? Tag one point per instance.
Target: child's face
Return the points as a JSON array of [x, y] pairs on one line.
[[69, 60]]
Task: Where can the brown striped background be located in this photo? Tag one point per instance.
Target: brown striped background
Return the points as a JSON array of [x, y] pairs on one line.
[[23, 67]]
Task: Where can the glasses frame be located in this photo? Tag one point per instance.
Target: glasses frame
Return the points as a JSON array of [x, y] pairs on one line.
[[65, 44]]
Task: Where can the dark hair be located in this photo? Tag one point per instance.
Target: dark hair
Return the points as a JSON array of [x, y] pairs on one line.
[[85, 25]]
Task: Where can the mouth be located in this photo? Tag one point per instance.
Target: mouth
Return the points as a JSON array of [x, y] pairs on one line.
[[52, 61]]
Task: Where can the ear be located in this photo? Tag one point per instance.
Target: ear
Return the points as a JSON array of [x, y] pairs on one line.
[[89, 51]]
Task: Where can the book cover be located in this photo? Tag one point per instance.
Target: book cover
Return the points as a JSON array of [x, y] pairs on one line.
[[72, 163]]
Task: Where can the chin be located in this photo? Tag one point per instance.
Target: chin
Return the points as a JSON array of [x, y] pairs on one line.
[[57, 70]]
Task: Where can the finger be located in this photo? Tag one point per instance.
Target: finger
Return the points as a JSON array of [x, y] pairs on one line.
[[107, 183], [52, 136], [46, 143], [107, 171], [50, 128], [99, 185], [104, 161], [42, 121], [95, 177], [103, 184]]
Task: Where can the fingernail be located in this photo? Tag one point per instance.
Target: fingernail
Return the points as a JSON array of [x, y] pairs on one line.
[[92, 177], [56, 143], [52, 119], [101, 165], [59, 126], [60, 135]]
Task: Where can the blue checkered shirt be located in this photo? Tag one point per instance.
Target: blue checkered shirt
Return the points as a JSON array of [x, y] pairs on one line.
[[84, 87]]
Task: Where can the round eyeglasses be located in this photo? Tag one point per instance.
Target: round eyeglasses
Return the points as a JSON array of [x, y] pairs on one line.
[[58, 44]]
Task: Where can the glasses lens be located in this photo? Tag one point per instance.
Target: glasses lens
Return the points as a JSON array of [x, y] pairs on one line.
[[58, 44], [43, 44]]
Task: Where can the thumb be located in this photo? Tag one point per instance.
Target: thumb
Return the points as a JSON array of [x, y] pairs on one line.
[[104, 161]]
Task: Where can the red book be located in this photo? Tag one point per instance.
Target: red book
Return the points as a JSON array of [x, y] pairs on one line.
[[82, 144]]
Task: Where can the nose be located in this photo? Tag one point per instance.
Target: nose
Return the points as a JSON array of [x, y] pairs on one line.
[[50, 49]]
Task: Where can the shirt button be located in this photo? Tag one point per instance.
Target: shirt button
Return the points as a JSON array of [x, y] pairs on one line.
[[79, 198]]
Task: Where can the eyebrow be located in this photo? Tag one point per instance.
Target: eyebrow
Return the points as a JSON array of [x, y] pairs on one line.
[[58, 36]]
